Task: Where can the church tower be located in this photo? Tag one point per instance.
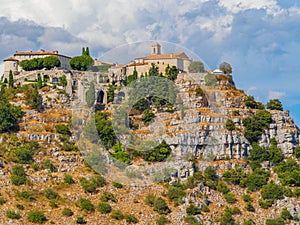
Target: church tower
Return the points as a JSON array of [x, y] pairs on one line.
[[156, 49]]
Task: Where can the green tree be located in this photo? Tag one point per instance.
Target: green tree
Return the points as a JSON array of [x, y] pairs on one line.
[[81, 62], [158, 153], [18, 176], [161, 206], [225, 67], [39, 81], [51, 62], [10, 79], [171, 72], [9, 114], [230, 125], [272, 191], [153, 71], [274, 104], [90, 95], [257, 179], [196, 67], [32, 97], [148, 115], [285, 214], [63, 81], [111, 93]]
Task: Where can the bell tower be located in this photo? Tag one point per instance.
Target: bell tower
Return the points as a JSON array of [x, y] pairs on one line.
[[155, 49]]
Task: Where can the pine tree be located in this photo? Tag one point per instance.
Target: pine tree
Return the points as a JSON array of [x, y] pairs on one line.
[[135, 73], [87, 51], [10, 79], [83, 51]]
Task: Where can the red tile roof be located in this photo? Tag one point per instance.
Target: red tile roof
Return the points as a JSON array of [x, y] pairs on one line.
[[175, 55], [10, 59], [42, 52]]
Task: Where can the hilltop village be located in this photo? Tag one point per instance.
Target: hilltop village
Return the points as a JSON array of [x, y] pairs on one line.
[[191, 148]]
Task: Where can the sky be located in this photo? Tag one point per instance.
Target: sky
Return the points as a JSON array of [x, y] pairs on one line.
[[259, 38]]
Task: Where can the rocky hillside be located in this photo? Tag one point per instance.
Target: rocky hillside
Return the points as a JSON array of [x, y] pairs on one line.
[[221, 176]]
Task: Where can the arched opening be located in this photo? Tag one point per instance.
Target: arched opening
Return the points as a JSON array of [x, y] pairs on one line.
[[100, 97], [54, 80], [121, 97]]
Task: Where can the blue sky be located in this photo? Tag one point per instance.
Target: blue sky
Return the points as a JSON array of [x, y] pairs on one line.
[[259, 38]]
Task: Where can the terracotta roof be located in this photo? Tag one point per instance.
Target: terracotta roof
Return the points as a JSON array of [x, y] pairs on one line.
[[175, 55], [118, 66], [10, 59], [137, 63], [42, 52]]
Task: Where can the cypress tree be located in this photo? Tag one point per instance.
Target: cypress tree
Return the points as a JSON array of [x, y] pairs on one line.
[[87, 51], [39, 81], [10, 79], [83, 51]]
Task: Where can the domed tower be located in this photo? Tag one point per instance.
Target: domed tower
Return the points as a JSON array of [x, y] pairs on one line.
[[156, 48]]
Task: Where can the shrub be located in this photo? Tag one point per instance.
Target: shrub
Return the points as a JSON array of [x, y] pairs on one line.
[[62, 129], [67, 212], [277, 221], [297, 152], [246, 198], [158, 153], [148, 115], [265, 203], [99, 181], [204, 208], [176, 192], [272, 191], [222, 187], [230, 125], [26, 195], [226, 218], [24, 154], [193, 210], [162, 220], [117, 184], [117, 214], [131, 218], [249, 207], [50, 194], [80, 220], [88, 185], [104, 207], [107, 196], [36, 216], [234, 176], [257, 179], [2, 201], [285, 214], [161, 206], [210, 173], [53, 204], [47, 164], [274, 104], [85, 204], [288, 172], [230, 197], [12, 214], [18, 176], [191, 220], [149, 200], [20, 207], [68, 179]]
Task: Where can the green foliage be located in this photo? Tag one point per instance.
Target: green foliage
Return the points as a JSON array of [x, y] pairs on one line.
[[26, 195], [274, 104], [158, 153], [191, 220], [255, 125], [39, 81], [149, 200], [68, 179], [226, 218], [50, 194], [265, 204], [275, 154], [176, 192], [85, 204], [229, 197], [222, 187], [10, 79], [67, 212], [272, 191], [153, 71], [211, 80], [297, 152], [141, 104], [105, 129], [257, 179], [104, 207], [32, 97], [161, 206], [258, 154], [285, 214], [36, 216], [131, 218], [252, 104], [20, 207], [171, 72], [119, 153], [196, 67], [148, 115], [248, 222], [193, 210], [62, 129], [107, 196], [276, 221], [117, 214], [18, 176], [230, 125], [91, 186], [2, 201], [247, 198], [234, 176], [117, 184], [51, 62], [81, 63], [47, 164], [210, 173], [80, 220], [9, 114], [12, 214], [162, 220], [24, 154], [63, 81], [249, 207], [90, 95], [288, 172], [204, 208], [53, 204], [225, 67], [111, 93]]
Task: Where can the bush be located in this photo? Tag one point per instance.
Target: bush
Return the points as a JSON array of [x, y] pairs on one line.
[[230, 125], [249, 207], [62, 129], [9, 114], [257, 179], [80, 220], [274, 104], [158, 153], [20, 207], [24, 154], [230, 197], [161, 206], [234, 176], [18, 176], [131, 218], [285, 214], [162, 220], [277, 221], [192, 210], [272, 191], [107, 196], [149, 200], [176, 192], [288, 172], [148, 115], [53, 204], [117, 184], [210, 173], [68, 179], [47, 164], [104, 207], [50, 194], [26, 195], [85, 204], [36, 216], [204, 208], [265, 203], [12, 215], [67, 212], [88, 185], [117, 214], [222, 187], [2, 201]]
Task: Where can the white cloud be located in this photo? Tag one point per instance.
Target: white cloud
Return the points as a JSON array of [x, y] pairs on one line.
[[276, 94]]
